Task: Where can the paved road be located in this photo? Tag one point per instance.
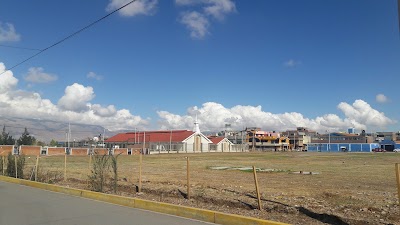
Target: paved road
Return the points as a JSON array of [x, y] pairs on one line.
[[22, 205]]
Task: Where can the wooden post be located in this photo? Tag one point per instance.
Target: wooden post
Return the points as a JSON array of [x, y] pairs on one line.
[[36, 167], [257, 190], [140, 173], [398, 178], [188, 177], [65, 167], [16, 166]]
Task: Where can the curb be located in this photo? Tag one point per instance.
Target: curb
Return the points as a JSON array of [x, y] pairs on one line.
[[177, 210]]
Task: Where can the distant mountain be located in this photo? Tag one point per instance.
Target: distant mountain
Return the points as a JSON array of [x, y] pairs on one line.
[[46, 130]]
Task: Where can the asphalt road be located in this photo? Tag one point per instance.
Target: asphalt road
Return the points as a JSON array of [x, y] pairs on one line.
[[22, 205]]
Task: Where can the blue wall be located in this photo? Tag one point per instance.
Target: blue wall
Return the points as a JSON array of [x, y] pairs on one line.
[[337, 147]]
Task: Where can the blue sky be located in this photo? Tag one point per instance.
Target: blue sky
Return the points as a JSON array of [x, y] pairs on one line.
[[276, 64]]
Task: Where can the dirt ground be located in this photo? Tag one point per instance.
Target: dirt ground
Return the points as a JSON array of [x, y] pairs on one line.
[[343, 188]]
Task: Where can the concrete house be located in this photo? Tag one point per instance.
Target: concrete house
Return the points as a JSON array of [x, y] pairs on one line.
[[220, 144]]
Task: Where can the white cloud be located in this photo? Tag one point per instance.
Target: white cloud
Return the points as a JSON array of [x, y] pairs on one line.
[[8, 32], [219, 8], [197, 23], [144, 7], [7, 80], [215, 8], [213, 117], [104, 111], [291, 63], [187, 2], [74, 106], [361, 112], [92, 75], [37, 75], [381, 98], [76, 98]]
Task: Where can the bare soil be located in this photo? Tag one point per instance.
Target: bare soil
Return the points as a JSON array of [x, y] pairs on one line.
[[344, 188]]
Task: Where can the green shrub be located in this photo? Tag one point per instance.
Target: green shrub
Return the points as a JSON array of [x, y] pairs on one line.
[[114, 179], [11, 165], [99, 172], [104, 172]]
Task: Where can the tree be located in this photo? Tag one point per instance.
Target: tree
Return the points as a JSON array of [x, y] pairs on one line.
[[40, 143], [26, 139], [53, 143], [6, 138]]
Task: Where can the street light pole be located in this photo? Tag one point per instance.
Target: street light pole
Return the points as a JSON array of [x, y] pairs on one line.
[[329, 141]]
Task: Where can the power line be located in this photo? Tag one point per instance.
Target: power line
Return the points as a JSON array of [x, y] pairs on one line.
[[69, 36]]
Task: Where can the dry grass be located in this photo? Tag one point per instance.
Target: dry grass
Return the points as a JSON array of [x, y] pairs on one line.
[[351, 188]]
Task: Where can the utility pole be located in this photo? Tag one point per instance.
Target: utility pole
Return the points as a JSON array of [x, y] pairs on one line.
[[144, 141], [254, 139], [69, 134], [329, 141], [170, 141], [104, 133]]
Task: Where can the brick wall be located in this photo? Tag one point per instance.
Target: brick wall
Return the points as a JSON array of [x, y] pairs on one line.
[[29, 150], [121, 151], [79, 151], [5, 149], [100, 151], [135, 151], [55, 151]]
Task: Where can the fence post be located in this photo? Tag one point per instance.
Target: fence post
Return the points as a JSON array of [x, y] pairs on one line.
[[188, 177], [65, 167], [257, 190], [36, 167], [140, 173], [397, 166], [16, 166]]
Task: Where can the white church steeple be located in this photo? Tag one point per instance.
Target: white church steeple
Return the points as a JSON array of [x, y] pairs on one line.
[[196, 126]]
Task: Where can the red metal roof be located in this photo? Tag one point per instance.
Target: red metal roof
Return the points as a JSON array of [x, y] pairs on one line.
[[151, 136], [216, 140]]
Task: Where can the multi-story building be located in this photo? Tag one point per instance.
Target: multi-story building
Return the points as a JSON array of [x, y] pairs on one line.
[[300, 138], [265, 140]]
